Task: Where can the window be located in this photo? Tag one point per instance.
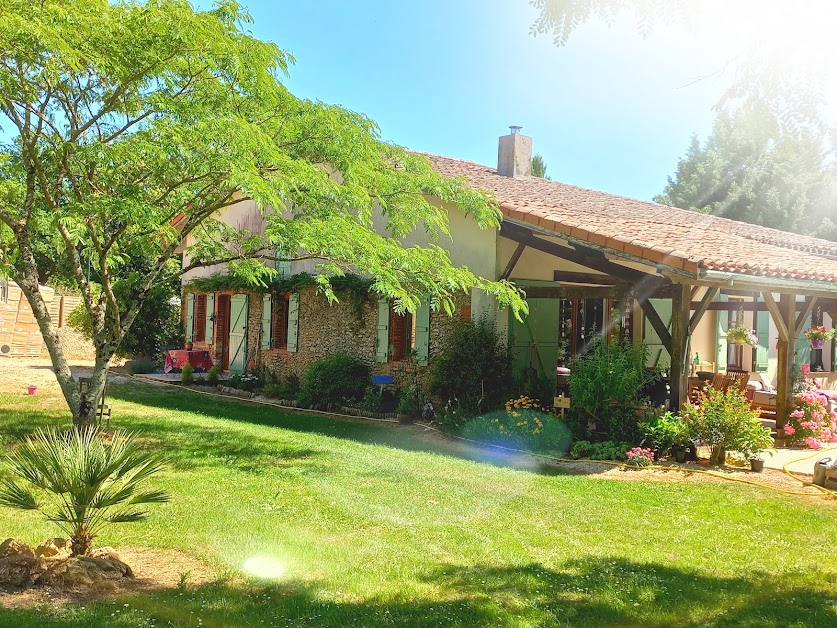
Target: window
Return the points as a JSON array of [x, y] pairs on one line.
[[200, 318], [402, 335], [279, 322]]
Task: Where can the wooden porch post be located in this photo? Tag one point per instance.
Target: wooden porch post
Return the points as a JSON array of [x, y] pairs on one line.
[[787, 348], [680, 315]]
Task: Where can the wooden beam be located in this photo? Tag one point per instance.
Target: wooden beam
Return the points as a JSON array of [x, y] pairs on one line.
[[513, 260], [594, 260], [656, 322], [574, 292], [776, 315], [590, 278], [680, 345], [747, 306], [804, 314], [787, 347], [701, 308]]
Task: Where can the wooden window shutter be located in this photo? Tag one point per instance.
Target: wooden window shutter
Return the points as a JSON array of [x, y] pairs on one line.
[[397, 335], [423, 333], [210, 313], [267, 306], [200, 318], [293, 323], [382, 338], [763, 349], [280, 323], [190, 317], [721, 337]]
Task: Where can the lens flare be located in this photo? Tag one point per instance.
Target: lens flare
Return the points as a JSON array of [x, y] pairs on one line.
[[264, 567]]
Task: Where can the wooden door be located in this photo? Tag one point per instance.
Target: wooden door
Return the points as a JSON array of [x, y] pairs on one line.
[[238, 333]]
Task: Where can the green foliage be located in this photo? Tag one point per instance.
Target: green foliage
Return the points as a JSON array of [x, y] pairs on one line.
[[167, 116], [755, 440], [142, 366], [720, 420], [214, 375], [662, 431], [245, 381], [606, 384], [753, 169], [605, 450], [278, 388], [473, 370], [187, 375], [526, 429], [337, 379], [539, 167], [536, 386], [80, 482]]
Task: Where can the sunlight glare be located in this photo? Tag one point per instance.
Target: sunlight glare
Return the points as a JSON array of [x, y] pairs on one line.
[[264, 567]]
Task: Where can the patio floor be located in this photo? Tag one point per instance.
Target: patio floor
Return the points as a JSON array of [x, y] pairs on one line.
[[784, 455]]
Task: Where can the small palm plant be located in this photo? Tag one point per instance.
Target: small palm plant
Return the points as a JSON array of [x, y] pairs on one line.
[[80, 482]]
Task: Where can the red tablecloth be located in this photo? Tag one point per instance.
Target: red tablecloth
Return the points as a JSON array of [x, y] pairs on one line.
[[176, 358]]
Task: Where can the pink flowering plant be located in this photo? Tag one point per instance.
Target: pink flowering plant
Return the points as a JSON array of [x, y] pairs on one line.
[[812, 423], [640, 457]]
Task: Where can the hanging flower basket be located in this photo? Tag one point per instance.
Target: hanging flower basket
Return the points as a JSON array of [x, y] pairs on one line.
[[818, 336], [742, 335]]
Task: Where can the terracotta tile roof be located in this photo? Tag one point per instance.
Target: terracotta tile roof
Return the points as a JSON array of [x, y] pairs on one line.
[[678, 238]]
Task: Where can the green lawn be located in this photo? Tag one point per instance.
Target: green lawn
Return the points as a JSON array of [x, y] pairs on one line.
[[375, 527]]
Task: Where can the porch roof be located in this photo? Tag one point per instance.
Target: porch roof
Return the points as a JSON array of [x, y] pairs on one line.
[[687, 242]]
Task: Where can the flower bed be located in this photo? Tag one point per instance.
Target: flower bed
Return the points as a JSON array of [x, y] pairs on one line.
[[811, 423]]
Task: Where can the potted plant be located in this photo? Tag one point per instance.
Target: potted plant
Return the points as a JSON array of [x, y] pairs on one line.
[[742, 335], [661, 432], [818, 336], [755, 440]]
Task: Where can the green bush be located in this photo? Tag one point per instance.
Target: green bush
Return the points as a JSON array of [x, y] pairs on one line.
[[606, 385], [472, 373], [337, 379], [606, 450], [278, 388], [187, 375], [214, 375], [722, 420], [526, 429], [662, 431], [246, 381], [142, 366]]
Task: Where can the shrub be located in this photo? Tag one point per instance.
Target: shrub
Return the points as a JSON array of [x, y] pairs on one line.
[[473, 371], [811, 423], [523, 428], [720, 420], [214, 375], [245, 381], [80, 483], [535, 386], [371, 401], [337, 379], [278, 388], [142, 366], [606, 385], [755, 439], [605, 450], [660, 432], [187, 375]]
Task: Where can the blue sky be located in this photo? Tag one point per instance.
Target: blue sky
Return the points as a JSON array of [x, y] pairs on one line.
[[611, 111]]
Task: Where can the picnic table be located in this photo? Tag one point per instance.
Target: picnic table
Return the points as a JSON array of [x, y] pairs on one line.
[[177, 358]]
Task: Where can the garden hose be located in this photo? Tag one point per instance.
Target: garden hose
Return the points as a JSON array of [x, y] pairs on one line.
[[821, 490]]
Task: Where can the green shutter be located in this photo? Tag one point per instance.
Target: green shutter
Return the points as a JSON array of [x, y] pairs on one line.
[[293, 323], [423, 333], [382, 339], [803, 345], [190, 317], [210, 315], [267, 303], [721, 337], [763, 332]]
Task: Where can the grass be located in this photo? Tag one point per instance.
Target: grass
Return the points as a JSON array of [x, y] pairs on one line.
[[375, 526]]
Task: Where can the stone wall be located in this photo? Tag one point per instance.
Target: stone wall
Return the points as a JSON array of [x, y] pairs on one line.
[[325, 329]]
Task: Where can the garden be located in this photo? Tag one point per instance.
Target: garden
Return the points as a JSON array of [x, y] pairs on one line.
[[280, 518]]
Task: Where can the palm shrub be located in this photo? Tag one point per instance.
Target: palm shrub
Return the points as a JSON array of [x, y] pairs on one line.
[[80, 482]]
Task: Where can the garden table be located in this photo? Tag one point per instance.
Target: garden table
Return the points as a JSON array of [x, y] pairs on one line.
[[176, 358]]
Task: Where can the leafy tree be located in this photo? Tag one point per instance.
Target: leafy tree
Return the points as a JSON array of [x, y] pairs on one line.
[[134, 124], [752, 169], [538, 167]]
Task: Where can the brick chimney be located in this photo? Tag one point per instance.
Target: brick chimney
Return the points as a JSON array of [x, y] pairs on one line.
[[514, 154]]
